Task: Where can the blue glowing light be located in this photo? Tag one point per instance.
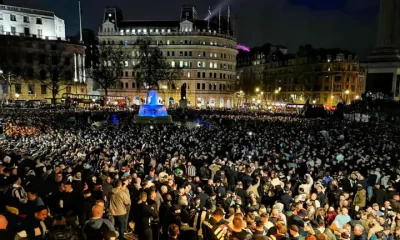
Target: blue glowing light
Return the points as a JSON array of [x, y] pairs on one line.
[[152, 108]]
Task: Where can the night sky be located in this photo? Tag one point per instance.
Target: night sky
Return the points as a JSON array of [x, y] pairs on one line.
[[349, 24]]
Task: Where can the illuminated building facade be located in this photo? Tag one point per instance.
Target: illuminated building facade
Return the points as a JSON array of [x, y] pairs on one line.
[[323, 76], [34, 42], [204, 49]]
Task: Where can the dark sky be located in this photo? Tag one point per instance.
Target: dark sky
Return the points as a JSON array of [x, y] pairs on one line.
[[349, 24]]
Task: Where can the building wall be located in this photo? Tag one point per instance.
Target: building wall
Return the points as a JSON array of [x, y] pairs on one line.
[[208, 62], [41, 24], [30, 51], [296, 80]]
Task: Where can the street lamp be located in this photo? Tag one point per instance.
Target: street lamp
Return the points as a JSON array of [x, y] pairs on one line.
[[347, 95], [258, 101], [347, 92], [257, 89], [253, 99], [357, 97], [314, 101], [17, 96]]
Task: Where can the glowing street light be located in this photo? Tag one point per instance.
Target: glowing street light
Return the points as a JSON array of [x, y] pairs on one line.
[[347, 92], [16, 95], [164, 87], [357, 97], [332, 96], [276, 91], [253, 99], [257, 89], [262, 93], [258, 101], [241, 91], [314, 101]]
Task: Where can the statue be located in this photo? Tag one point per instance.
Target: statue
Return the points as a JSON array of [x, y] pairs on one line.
[[183, 91]]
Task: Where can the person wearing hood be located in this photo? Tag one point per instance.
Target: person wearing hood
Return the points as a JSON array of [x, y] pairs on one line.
[[360, 199], [97, 227]]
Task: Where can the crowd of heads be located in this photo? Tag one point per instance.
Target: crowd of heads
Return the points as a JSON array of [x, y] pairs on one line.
[[213, 175]]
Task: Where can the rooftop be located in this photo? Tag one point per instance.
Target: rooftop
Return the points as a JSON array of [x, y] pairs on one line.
[[26, 10]]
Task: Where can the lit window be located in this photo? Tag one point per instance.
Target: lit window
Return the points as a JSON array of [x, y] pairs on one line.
[[162, 30], [173, 64], [151, 30], [204, 64], [186, 64], [211, 65], [156, 30], [145, 30], [199, 64], [139, 30], [180, 63], [167, 42], [215, 55], [211, 55], [126, 64], [133, 63], [329, 69], [211, 43], [169, 30], [110, 15], [188, 74], [215, 65]]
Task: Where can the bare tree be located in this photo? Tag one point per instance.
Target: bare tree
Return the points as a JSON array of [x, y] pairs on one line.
[[55, 70], [11, 72], [107, 72], [152, 68]]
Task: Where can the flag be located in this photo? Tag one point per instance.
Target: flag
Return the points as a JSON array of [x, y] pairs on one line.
[[209, 10], [229, 18]]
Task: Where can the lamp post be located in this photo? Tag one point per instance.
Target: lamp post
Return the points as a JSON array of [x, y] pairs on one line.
[[164, 87], [347, 92], [16, 96]]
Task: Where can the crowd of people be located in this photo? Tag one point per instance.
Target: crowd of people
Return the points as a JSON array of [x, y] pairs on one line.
[[212, 175]]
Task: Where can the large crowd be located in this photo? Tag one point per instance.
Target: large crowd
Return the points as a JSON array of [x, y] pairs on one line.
[[212, 175]]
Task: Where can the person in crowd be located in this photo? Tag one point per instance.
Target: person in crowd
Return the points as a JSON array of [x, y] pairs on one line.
[[33, 227], [97, 227], [4, 233], [119, 199]]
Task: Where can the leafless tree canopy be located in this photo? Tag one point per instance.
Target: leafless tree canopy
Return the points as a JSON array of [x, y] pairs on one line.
[[152, 68], [109, 68]]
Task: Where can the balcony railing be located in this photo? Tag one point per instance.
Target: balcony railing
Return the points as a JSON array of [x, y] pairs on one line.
[[35, 36], [193, 33]]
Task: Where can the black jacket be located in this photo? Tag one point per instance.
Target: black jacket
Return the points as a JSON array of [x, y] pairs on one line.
[[145, 212]]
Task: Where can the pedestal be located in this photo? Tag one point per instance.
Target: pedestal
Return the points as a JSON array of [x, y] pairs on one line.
[[183, 103]]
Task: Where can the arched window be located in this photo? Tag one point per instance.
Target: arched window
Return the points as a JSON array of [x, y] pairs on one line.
[[122, 85], [126, 85]]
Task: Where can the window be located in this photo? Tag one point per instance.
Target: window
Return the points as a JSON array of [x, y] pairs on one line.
[[39, 33], [13, 30], [173, 54], [198, 74], [181, 53], [31, 88], [38, 21], [168, 54], [204, 74], [215, 86], [67, 61], [26, 19], [199, 64], [126, 85], [186, 54], [180, 63], [210, 86], [211, 65], [13, 18], [198, 86], [188, 74], [204, 64], [1, 16], [126, 75], [133, 74], [126, 64], [190, 53], [204, 54], [133, 85], [173, 64], [167, 42], [43, 89], [18, 88], [215, 55], [210, 75], [199, 54], [211, 55], [203, 86], [27, 32], [215, 75], [215, 65]]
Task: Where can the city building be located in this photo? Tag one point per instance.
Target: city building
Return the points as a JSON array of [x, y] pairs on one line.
[[20, 21], [204, 49], [322, 76], [36, 56]]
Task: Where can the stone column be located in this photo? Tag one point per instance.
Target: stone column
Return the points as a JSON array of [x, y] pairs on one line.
[[387, 24]]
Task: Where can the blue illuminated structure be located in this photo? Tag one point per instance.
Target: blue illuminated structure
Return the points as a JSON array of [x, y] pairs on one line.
[[152, 111]]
